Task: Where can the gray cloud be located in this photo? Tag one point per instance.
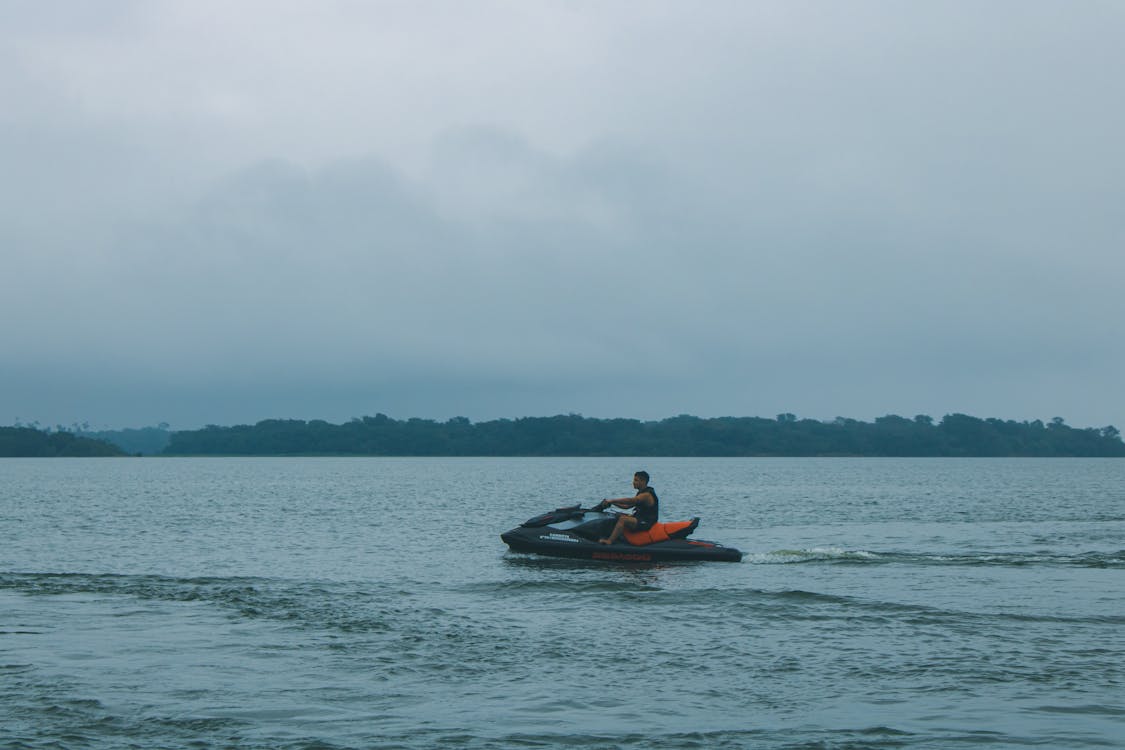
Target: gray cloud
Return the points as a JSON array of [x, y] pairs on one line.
[[334, 209]]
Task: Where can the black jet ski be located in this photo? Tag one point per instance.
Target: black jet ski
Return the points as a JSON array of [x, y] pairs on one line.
[[574, 531]]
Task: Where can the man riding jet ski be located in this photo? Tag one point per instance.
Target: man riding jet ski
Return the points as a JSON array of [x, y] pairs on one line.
[[574, 531], [645, 505], [595, 534]]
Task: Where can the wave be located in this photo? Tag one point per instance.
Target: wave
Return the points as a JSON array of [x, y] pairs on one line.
[[836, 555], [817, 605], [843, 556], [556, 586], [388, 609], [816, 554], [346, 607], [800, 604]]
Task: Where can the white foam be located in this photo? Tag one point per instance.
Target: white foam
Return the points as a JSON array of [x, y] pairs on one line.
[[786, 556]]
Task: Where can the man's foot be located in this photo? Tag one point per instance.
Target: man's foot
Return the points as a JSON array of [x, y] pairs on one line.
[[604, 541]]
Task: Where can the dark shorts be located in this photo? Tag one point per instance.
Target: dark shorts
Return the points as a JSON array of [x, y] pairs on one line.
[[643, 525]]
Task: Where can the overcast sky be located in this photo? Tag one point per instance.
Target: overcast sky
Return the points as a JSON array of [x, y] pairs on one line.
[[221, 213]]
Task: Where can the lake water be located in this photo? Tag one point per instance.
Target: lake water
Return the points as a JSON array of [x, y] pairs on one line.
[[369, 603]]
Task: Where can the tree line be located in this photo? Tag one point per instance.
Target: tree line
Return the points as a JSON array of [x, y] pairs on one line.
[[30, 442], [685, 435]]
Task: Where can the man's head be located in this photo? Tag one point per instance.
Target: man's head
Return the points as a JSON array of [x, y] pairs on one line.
[[640, 479]]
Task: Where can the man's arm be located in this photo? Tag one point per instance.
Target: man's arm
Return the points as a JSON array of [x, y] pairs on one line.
[[628, 502]]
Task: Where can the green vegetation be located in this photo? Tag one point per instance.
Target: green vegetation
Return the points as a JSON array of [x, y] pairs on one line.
[[574, 435], [28, 442]]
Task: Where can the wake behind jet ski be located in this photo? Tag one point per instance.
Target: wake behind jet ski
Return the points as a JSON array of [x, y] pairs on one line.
[[574, 532]]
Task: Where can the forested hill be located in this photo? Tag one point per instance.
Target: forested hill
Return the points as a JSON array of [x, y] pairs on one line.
[[28, 442], [573, 435]]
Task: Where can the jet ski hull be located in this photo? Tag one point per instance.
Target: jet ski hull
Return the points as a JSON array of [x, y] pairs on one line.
[[546, 540]]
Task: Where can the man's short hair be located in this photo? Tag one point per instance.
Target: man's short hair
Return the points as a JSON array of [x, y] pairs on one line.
[[643, 475]]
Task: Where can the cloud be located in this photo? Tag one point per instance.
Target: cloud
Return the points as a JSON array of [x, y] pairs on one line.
[[516, 209]]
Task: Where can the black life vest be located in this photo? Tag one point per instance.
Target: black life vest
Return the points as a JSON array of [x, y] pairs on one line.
[[647, 514]]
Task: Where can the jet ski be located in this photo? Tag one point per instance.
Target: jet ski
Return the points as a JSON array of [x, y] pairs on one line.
[[574, 531]]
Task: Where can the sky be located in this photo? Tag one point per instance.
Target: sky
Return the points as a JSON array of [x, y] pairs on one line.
[[218, 213]]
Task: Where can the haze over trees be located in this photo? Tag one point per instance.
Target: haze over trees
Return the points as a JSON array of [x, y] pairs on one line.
[[146, 441], [575, 435]]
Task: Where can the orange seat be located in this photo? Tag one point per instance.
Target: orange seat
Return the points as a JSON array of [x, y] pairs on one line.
[[661, 532]]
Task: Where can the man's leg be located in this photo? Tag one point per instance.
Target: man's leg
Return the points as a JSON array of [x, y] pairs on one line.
[[623, 522]]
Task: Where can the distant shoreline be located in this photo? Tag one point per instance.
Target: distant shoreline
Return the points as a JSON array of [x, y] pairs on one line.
[[955, 435], [575, 436]]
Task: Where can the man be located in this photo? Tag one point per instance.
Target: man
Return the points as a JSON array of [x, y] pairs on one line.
[[645, 505]]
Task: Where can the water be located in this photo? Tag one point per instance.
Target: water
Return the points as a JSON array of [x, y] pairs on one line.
[[369, 603]]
